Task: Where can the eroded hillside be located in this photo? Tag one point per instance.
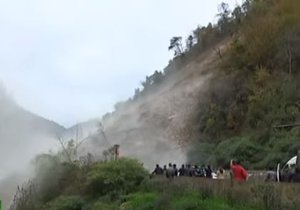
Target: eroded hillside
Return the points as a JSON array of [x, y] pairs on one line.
[[156, 128]]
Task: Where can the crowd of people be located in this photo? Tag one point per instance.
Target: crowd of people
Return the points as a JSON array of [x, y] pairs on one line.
[[185, 170], [237, 171]]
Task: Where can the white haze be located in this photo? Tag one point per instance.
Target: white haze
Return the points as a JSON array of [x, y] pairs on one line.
[[74, 61], [71, 60], [150, 129]]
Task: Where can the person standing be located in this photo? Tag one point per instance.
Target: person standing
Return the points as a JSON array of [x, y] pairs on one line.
[[221, 173], [170, 171], [208, 172], [165, 169], [175, 170], [182, 170], [158, 170], [238, 172]]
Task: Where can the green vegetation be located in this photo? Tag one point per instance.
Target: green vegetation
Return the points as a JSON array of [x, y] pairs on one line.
[[255, 91], [71, 186], [125, 185], [121, 176]]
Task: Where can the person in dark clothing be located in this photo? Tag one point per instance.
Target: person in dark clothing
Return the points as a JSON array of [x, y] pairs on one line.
[[157, 171], [175, 170], [189, 170], [182, 170], [208, 172], [170, 171], [165, 169], [196, 171], [199, 171], [202, 171]]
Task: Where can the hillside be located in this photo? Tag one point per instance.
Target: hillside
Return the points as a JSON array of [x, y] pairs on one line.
[[233, 93], [154, 129]]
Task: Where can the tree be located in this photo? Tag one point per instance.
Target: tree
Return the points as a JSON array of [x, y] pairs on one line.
[[119, 105], [146, 83], [197, 34], [137, 93], [237, 15], [291, 47], [70, 147], [156, 77], [246, 6], [224, 20], [176, 45], [189, 43]]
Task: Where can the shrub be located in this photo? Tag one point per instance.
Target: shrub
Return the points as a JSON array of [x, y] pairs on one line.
[[239, 148], [188, 201], [103, 206], [65, 203], [53, 177], [201, 153], [122, 176], [142, 201]]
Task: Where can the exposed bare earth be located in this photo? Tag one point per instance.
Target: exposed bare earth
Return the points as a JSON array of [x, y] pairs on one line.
[[154, 128]]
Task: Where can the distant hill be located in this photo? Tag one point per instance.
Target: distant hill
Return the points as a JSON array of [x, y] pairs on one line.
[[22, 134]]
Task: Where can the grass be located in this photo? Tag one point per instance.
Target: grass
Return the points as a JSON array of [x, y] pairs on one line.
[[181, 200], [250, 195]]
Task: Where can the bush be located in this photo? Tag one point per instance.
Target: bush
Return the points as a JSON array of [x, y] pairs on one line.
[[239, 148], [53, 177], [187, 201], [65, 203], [103, 206], [122, 176], [142, 201], [201, 153]]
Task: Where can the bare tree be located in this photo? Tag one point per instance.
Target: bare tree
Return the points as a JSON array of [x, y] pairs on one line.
[[218, 52], [70, 148], [176, 45]]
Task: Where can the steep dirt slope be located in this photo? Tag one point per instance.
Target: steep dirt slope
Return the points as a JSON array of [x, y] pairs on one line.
[[155, 128]]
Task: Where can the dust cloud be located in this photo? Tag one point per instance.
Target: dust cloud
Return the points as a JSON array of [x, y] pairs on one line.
[[23, 135], [155, 129]]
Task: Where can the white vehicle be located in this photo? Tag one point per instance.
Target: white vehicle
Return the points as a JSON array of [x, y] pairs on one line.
[[292, 162], [284, 174]]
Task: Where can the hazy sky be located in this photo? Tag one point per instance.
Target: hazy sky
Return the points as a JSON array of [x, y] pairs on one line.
[[71, 60]]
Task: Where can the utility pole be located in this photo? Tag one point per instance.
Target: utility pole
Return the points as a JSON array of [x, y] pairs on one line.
[[116, 151]]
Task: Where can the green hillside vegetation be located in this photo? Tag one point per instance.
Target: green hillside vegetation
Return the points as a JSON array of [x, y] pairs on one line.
[[256, 90], [125, 185], [111, 185]]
